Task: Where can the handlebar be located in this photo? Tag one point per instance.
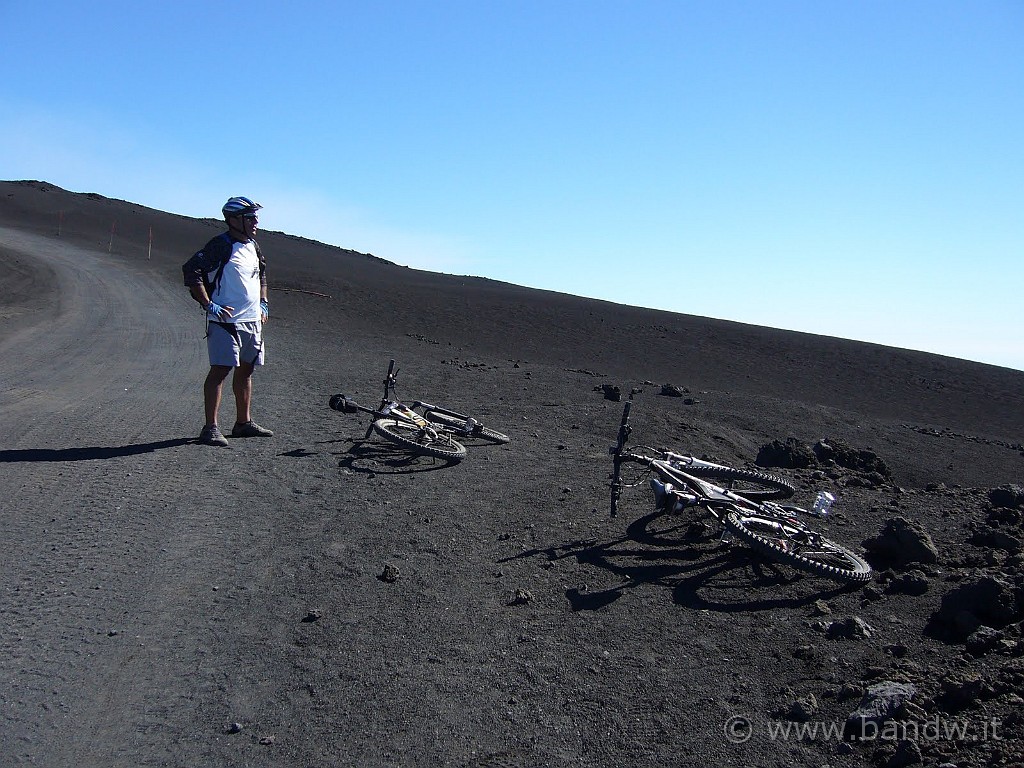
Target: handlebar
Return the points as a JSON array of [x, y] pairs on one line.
[[389, 384], [342, 403], [616, 452]]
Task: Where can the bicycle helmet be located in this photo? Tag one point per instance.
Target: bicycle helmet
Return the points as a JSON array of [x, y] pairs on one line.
[[239, 206]]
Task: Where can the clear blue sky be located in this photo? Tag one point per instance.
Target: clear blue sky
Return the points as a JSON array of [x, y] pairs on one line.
[[852, 169]]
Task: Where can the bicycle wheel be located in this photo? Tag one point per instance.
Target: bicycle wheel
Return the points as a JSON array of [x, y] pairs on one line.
[[767, 487], [796, 545], [460, 425], [418, 440]]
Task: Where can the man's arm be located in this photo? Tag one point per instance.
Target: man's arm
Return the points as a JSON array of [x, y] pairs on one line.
[[264, 307], [201, 263], [199, 294], [198, 291]]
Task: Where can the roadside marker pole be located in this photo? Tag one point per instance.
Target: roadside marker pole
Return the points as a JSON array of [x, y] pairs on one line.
[[60, 222], [110, 246], [150, 255]]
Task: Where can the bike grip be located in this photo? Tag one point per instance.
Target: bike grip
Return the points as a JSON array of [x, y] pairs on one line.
[[341, 403]]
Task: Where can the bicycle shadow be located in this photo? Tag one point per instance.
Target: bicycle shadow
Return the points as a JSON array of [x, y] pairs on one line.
[[89, 453], [373, 458], [476, 443], [693, 563]]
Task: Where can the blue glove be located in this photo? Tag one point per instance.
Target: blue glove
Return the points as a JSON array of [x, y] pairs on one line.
[[264, 308], [214, 309]]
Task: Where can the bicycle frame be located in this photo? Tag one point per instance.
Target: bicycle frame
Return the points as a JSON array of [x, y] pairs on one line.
[[392, 408], [686, 488], [673, 467], [447, 412], [400, 411], [663, 467]]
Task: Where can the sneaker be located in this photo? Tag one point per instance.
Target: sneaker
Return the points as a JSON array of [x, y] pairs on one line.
[[250, 429], [211, 435]]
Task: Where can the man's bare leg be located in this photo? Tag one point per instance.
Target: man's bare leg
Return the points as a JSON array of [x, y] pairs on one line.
[[242, 386], [212, 388]]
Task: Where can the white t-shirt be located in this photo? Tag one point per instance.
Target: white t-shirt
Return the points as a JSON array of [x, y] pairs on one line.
[[240, 284]]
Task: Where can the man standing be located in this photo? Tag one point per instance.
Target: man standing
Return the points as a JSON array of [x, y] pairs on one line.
[[229, 280]]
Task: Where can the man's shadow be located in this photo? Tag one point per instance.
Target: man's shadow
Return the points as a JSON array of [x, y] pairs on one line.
[[90, 452]]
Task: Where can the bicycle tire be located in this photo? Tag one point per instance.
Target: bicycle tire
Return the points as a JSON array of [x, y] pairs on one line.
[[480, 431], [419, 441], [772, 487], [771, 536]]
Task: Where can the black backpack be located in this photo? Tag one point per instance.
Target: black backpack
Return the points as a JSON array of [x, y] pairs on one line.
[[212, 285]]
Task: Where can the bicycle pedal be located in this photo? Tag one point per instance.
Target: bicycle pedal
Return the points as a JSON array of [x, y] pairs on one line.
[[698, 530]]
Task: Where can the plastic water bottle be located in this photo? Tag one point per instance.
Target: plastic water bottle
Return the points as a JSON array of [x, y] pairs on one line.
[[823, 504]]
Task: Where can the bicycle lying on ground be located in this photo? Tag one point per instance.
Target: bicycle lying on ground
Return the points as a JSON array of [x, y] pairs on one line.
[[745, 506], [423, 428]]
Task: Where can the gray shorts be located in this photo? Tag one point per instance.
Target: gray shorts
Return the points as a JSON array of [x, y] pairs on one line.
[[233, 343]]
